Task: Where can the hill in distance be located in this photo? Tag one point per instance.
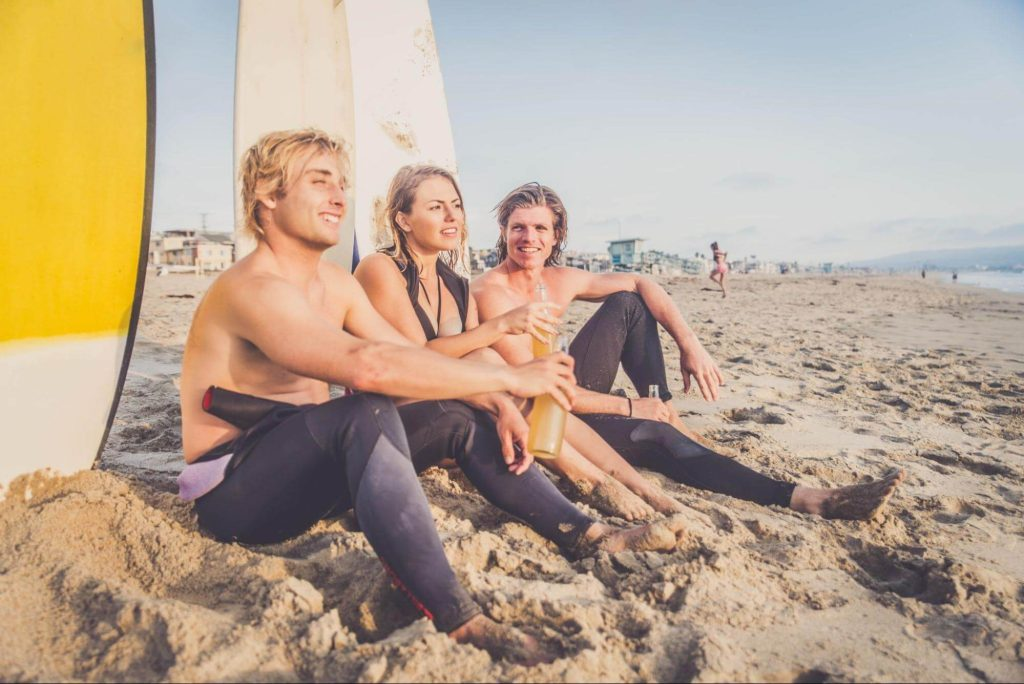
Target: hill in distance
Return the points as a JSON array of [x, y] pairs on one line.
[[1011, 257]]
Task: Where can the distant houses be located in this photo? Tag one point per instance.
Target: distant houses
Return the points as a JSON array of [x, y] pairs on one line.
[[629, 255], [191, 251]]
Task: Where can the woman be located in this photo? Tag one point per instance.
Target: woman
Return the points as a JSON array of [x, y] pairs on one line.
[[721, 268], [416, 289]]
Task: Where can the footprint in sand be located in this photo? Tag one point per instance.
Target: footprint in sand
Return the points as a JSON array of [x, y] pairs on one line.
[[896, 402], [759, 415], [955, 460], [905, 574]]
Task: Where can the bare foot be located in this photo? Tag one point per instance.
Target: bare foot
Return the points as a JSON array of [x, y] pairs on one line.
[[660, 501], [612, 498], [663, 535], [855, 502], [501, 641]]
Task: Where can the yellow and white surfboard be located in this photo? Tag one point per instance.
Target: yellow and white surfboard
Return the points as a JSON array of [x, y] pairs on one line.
[[77, 135]]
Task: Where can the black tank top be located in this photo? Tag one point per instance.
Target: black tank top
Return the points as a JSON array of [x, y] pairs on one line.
[[453, 282]]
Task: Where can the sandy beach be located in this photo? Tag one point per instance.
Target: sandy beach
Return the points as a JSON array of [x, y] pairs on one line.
[[831, 380]]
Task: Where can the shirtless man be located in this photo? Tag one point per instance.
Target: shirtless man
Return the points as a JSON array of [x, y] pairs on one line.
[[281, 325], [647, 432]]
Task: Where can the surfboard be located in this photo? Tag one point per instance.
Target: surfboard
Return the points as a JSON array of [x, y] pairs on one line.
[[77, 134], [364, 70], [291, 71]]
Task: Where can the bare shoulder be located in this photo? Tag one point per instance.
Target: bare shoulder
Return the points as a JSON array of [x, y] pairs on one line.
[[492, 294], [565, 274], [486, 281], [378, 270]]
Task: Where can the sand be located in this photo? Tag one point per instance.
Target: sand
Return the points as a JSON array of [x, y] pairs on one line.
[[105, 576]]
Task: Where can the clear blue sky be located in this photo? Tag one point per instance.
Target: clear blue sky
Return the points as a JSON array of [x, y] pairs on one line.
[[791, 130]]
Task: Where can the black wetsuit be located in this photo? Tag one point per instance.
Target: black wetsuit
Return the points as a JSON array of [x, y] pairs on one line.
[[624, 330], [298, 465]]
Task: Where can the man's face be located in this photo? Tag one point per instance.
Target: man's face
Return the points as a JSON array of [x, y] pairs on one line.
[[530, 236], [312, 207]]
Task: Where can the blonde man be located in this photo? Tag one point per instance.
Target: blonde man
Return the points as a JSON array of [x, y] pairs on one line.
[[274, 331], [646, 432]]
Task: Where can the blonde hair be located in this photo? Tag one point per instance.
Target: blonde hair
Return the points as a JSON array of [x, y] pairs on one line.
[[265, 167], [533, 195], [401, 195]]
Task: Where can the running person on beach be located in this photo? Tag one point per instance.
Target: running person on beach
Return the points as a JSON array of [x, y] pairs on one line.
[[414, 287], [281, 324], [647, 432], [721, 267]]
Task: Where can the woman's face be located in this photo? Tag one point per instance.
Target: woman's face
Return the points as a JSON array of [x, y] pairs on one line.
[[436, 221]]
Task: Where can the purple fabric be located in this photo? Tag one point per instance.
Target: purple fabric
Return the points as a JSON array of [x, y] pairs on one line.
[[200, 478]]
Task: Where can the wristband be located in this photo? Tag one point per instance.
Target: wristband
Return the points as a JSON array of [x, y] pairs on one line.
[[630, 407]]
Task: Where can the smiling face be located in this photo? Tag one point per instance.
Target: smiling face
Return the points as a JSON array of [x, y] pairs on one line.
[[312, 207], [435, 222], [530, 236]]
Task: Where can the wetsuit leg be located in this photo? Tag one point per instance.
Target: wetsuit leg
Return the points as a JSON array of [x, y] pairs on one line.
[[621, 330], [439, 429], [661, 448], [350, 452]]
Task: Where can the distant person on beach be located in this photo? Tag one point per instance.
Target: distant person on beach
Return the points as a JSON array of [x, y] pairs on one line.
[[647, 432], [280, 325], [922, 273], [954, 276], [721, 267]]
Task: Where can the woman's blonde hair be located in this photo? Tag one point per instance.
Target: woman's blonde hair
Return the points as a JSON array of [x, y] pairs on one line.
[[401, 195], [265, 167]]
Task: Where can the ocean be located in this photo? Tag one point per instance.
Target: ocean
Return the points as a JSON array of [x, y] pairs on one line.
[[1007, 281]]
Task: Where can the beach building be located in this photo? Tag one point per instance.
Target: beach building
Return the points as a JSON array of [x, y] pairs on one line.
[[587, 261], [188, 250], [626, 255], [482, 259]]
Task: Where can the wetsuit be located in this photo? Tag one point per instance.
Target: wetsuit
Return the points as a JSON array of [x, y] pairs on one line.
[[624, 330], [298, 465]]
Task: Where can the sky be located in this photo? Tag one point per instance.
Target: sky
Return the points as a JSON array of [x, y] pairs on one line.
[[811, 131]]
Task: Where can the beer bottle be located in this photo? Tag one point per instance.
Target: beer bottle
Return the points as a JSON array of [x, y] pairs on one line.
[[547, 420]]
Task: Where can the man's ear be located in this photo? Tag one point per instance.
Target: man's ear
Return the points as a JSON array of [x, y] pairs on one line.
[[268, 200]]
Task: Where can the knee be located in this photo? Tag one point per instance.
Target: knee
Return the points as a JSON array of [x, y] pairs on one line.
[[359, 411], [472, 432], [630, 303]]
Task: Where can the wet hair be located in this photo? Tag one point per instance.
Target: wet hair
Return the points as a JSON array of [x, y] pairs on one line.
[[265, 167], [533, 195], [401, 196]]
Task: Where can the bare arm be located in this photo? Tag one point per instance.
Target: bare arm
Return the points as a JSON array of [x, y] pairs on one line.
[[517, 349], [275, 317], [386, 290]]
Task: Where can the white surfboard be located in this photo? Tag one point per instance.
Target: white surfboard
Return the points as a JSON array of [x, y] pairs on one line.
[[364, 70], [77, 134]]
